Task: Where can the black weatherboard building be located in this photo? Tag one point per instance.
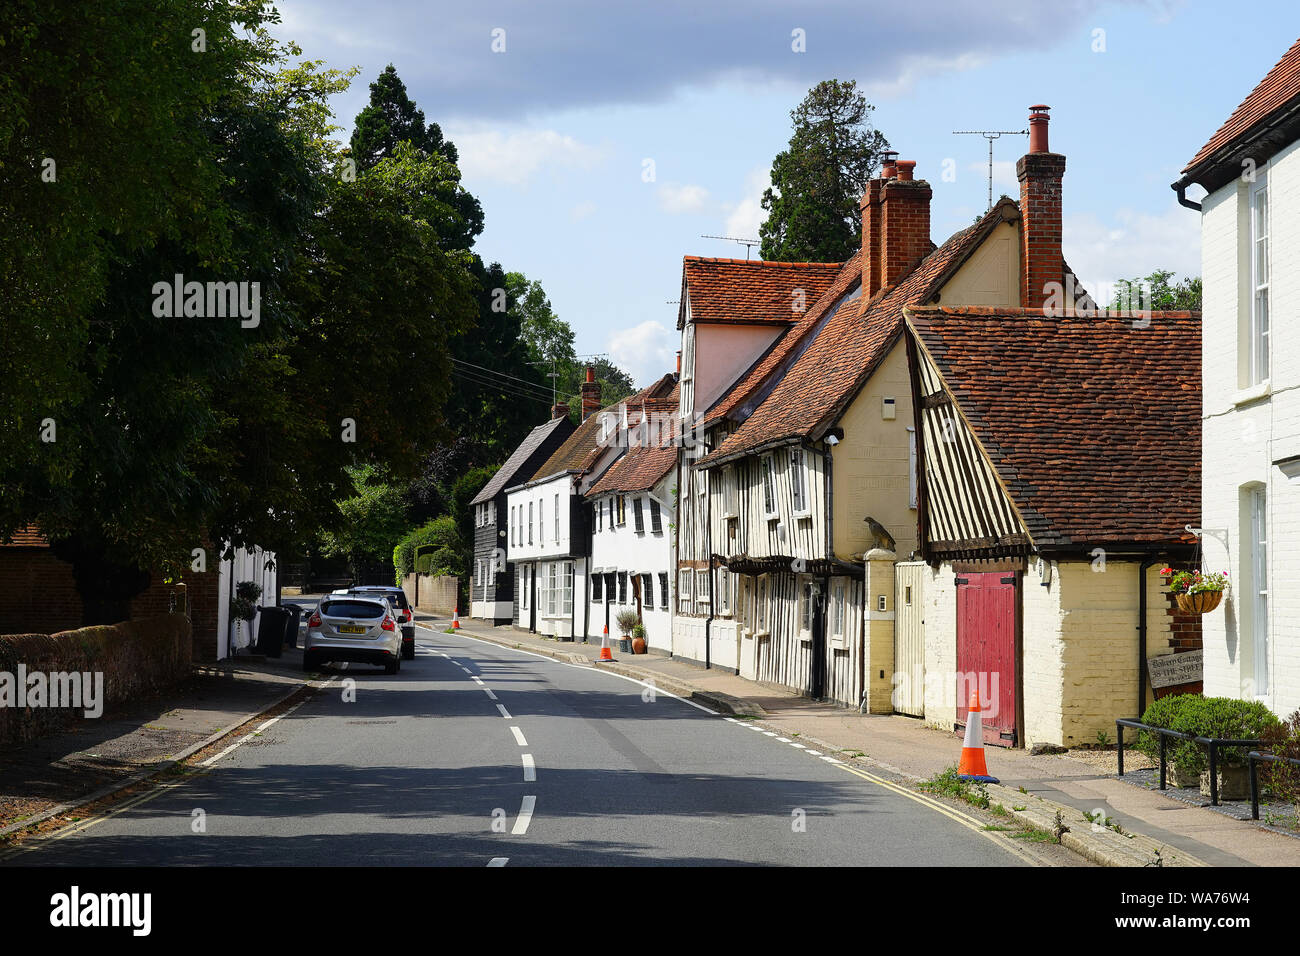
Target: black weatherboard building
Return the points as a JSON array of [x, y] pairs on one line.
[[492, 579]]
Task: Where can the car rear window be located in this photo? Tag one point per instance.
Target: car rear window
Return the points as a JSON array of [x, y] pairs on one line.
[[397, 597], [351, 609]]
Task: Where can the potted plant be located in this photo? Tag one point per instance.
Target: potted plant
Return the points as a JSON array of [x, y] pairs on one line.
[[244, 608], [1196, 592], [638, 639], [626, 620]]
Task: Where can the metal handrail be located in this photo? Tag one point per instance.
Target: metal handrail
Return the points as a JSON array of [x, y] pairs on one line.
[[1252, 759], [1213, 744]]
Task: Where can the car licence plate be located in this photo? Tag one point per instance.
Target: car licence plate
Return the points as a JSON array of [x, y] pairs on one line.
[[351, 629]]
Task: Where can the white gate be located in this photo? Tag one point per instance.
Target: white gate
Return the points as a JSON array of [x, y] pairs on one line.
[[909, 639]]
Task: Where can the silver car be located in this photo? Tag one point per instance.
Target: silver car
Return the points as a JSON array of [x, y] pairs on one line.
[[353, 628]]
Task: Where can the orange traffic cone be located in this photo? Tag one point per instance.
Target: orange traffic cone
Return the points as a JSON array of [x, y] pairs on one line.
[[972, 749], [605, 655], [455, 619]]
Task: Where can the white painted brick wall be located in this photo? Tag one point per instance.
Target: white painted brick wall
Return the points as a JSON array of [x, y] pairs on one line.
[[1241, 442]]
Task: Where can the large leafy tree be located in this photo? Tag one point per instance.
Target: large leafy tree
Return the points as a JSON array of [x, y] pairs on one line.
[[818, 180], [174, 433], [392, 117]]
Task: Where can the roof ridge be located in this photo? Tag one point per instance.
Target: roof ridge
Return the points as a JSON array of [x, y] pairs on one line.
[[764, 262]]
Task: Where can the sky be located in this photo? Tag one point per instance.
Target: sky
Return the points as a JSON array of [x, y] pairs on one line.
[[605, 140]]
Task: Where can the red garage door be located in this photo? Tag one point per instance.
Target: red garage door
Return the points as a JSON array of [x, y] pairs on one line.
[[986, 651]]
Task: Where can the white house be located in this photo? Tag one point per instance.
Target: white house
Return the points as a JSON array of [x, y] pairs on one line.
[[1250, 238], [549, 533], [633, 516]]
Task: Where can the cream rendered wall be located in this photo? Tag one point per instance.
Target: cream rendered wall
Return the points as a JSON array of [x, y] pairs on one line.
[[871, 464], [1244, 432], [939, 610], [723, 353], [991, 276], [1081, 648]]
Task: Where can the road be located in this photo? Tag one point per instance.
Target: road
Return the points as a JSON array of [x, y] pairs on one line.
[[477, 755]]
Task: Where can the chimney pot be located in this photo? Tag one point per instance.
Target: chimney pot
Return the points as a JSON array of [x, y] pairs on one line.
[[1038, 120], [905, 168], [591, 374], [889, 164]]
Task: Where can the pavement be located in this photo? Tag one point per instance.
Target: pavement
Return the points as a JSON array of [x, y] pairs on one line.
[[1082, 782]]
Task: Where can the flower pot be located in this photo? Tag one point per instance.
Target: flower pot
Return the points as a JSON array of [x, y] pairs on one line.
[[1201, 602], [1234, 783], [625, 645], [1179, 779], [638, 645]]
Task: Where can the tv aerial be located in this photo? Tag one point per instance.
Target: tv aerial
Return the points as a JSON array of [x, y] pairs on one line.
[[990, 135]]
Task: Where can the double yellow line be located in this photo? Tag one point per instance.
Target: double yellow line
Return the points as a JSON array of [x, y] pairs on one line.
[[940, 807]]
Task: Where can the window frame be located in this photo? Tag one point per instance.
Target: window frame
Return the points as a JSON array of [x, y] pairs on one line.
[[638, 519], [1259, 337], [656, 518], [798, 483], [685, 590], [663, 591], [768, 467]]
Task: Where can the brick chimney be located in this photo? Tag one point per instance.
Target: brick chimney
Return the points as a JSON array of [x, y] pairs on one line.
[[559, 410], [590, 394], [905, 224], [1040, 172], [871, 226]]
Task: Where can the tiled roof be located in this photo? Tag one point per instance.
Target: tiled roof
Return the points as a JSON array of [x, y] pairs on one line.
[[1093, 424], [1278, 88], [786, 343], [758, 291], [28, 537], [581, 449], [640, 469], [506, 474], [846, 350]]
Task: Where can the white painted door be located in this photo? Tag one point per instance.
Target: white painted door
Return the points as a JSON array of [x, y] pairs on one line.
[[909, 631]]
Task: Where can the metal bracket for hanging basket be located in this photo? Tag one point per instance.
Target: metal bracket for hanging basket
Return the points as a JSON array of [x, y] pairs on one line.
[[1219, 534]]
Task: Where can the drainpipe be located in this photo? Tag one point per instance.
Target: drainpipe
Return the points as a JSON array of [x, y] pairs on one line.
[[1180, 188], [1148, 563]]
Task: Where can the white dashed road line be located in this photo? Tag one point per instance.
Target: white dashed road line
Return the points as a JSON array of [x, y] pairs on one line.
[[504, 713], [525, 815], [530, 769], [519, 736], [498, 861]]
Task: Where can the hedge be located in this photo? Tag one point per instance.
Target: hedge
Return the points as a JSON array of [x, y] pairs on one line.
[[1225, 718], [137, 658]]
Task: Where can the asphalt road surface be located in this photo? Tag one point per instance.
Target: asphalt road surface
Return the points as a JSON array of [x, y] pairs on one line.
[[481, 755]]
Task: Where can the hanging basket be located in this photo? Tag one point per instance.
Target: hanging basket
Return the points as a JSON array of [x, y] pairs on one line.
[[1202, 602]]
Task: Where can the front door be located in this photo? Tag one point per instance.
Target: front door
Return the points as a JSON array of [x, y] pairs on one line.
[[986, 651]]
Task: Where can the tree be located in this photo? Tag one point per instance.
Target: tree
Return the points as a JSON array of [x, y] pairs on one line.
[[1158, 293], [179, 432], [391, 118], [818, 181], [372, 519]]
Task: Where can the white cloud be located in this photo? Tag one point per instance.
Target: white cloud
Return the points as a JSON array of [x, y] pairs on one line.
[[514, 157], [675, 198], [746, 216], [645, 351], [1133, 244]]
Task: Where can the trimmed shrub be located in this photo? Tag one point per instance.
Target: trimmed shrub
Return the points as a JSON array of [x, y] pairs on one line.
[[1225, 718], [446, 558], [1281, 778], [137, 658]]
